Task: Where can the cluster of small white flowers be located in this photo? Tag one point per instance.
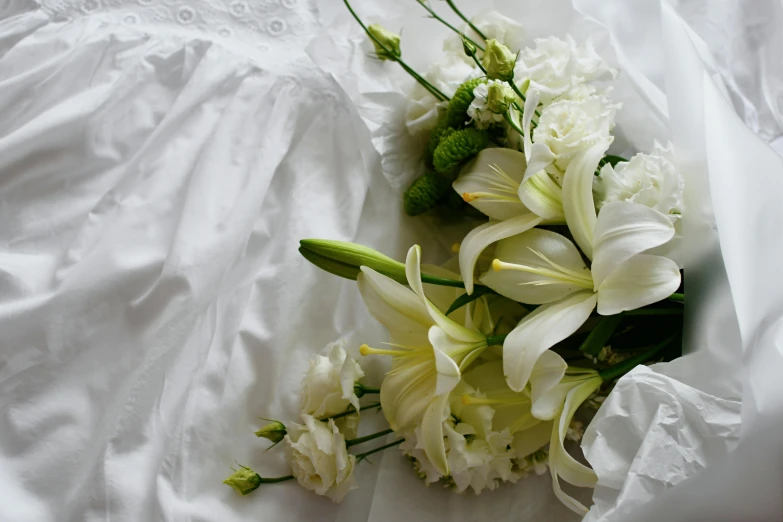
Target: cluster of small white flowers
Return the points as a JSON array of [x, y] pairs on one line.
[[479, 111]]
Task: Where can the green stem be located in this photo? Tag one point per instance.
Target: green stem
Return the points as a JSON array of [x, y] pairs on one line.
[[496, 340], [363, 456], [276, 479], [478, 63], [465, 19], [416, 76], [629, 364], [655, 311], [370, 390], [351, 412], [515, 125], [680, 298], [360, 440], [519, 93], [434, 15]]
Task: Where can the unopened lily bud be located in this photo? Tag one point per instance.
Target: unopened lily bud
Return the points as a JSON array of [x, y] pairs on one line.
[[274, 431], [499, 61], [499, 96], [244, 481], [345, 259], [468, 47], [387, 43]]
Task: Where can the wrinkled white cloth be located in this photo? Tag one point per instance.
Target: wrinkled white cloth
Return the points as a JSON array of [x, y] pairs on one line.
[[160, 160]]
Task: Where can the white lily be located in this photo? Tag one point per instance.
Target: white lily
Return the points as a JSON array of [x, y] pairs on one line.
[[543, 267], [559, 404], [491, 183], [429, 352]]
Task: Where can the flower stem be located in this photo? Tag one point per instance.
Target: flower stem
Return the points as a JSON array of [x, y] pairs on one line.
[[510, 121], [519, 93], [351, 412], [434, 15], [680, 298], [496, 340], [360, 440], [655, 311], [363, 456], [276, 479], [629, 364], [465, 19], [416, 76]]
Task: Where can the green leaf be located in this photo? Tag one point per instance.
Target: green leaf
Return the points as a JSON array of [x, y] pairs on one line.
[[464, 299], [601, 334]]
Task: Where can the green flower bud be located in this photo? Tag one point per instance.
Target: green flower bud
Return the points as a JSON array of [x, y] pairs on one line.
[[499, 97], [389, 48], [274, 431], [344, 259], [499, 61], [459, 146], [424, 193], [468, 47], [244, 481]]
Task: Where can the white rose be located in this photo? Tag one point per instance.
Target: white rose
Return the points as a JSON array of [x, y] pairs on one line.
[[568, 127], [328, 385], [555, 67], [319, 458], [648, 179]]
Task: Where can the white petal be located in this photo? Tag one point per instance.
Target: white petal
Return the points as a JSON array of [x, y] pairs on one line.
[[546, 405], [540, 158], [532, 439], [624, 229], [578, 203], [547, 374], [495, 175], [546, 282], [448, 369], [543, 196], [484, 235], [413, 273], [407, 391], [568, 468], [531, 102], [640, 281], [432, 434], [395, 306], [544, 327]]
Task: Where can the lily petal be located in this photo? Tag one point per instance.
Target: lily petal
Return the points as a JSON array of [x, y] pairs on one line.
[[578, 204], [537, 267], [395, 306], [482, 236], [543, 196], [543, 328], [544, 380], [432, 434], [529, 441], [490, 183], [531, 102], [413, 273], [624, 229], [638, 282], [540, 158], [407, 391], [448, 369]]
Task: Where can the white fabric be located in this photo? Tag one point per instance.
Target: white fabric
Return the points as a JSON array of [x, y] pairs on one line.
[[159, 161]]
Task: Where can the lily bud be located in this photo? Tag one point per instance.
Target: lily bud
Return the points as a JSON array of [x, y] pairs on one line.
[[244, 481], [274, 431], [499, 96], [387, 43], [499, 61], [344, 259]]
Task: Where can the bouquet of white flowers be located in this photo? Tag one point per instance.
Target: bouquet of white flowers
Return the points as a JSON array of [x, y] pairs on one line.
[[570, 278]]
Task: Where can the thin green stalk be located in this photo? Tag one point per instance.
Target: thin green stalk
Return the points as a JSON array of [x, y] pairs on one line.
[[363, 456], [416, 76], [624, 367], [276, 479], [496, 340], [680, 298], [515, 125], [351, 412], [434, 15], [478, 63], [519, 93], [465, 19], [655, 311], [367, 438]]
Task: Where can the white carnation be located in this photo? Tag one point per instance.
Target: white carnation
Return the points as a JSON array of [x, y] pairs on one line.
[[568, 127], [478, 110], [555, 67], [319, 458], [648, 179], [328, 386]]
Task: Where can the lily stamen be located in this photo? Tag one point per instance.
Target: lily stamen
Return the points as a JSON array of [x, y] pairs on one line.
[[559, 275]]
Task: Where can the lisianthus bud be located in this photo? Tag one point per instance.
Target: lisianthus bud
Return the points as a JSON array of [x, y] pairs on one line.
[[499, 61], [387, 44], [468, 46], [344, 259], [499, 96], [244, 481], [274, 431]]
